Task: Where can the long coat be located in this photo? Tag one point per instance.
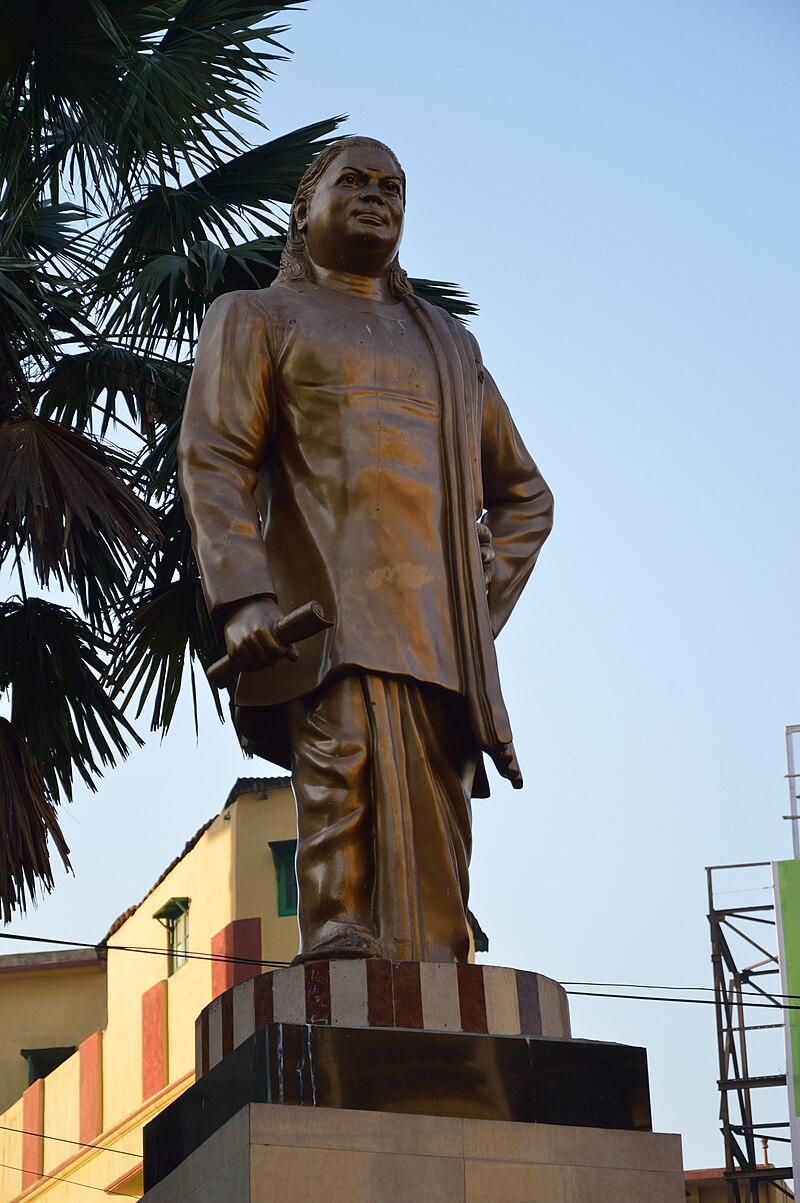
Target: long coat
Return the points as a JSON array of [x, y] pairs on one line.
[[266, 521]]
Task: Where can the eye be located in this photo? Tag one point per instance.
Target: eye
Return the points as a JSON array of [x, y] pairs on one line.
[[348, 177], [392, 187]]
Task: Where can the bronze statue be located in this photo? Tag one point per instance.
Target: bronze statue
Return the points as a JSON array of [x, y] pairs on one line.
[[343, 443]]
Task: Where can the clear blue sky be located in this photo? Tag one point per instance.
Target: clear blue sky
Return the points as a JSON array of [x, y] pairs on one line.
[[617, 185]]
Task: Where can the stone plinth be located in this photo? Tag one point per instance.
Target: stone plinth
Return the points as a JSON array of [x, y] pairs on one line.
[[271, 1153], [523, 1079], [374, 1082], [383, 994]]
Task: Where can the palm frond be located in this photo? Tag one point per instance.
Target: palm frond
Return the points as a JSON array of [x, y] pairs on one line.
[[173, 109], [170, 295], [28, 825], [66, 501], [168, 630], [446, 296], [123, 90], [89, 383], [158, 468], [166, 627], [52, 662], [161, 305], [270, 172], [24, 333], [45, 228], [172, 555], [169, 221], [60, 66], [252, 264]]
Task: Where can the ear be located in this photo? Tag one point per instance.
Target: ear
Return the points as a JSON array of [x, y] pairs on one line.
[[301, 214]]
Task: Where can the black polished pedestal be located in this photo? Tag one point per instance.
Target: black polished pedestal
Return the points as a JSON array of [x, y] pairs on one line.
[[529, 1079]]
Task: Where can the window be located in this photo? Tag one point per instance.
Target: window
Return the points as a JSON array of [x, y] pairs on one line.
[[283, 852], [42, 1061], [175, 918]]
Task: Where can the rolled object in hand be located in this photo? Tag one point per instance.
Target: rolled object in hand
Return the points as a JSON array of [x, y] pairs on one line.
[[294, 627]]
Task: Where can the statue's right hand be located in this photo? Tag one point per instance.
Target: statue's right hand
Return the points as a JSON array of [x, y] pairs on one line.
[[250, 636]]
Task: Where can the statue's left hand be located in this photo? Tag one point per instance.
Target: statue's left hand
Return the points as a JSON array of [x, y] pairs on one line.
[[487, 552]]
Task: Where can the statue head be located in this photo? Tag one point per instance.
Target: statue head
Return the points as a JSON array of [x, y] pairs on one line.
[[374, 209]]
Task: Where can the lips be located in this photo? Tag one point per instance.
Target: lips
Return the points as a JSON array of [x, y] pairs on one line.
[[369, 217]]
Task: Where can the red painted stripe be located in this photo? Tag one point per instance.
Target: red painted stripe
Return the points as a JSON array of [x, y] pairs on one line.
[[380, 995], [154, 1039], [318, 992], [472, 998], [407, 994], [90, 1070], [263, 1008], [32, 1122], [241, 938], [530, 1014]]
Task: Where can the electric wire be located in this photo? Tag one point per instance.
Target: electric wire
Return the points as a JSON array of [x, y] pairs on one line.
[[643, 986], [161, 952], [65, 1140], [51, 1177], [219, 957], [598, 993], [699, 1002], [688, 989]]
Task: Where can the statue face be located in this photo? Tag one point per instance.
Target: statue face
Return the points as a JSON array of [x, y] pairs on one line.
[[354, 220]]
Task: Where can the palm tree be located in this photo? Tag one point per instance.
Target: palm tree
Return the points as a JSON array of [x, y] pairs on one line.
[[130, 198]]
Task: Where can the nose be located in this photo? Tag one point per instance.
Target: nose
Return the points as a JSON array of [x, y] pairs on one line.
[[371, 194]]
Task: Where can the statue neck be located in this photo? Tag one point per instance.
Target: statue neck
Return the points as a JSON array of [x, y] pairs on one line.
[[374, 288]]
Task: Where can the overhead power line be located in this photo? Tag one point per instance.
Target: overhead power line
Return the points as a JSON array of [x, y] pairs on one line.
[[593, 989], [65, 1140], [53, 1178], [700, 1002], [161, 952]]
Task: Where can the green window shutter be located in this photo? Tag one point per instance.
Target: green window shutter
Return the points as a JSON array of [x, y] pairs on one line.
[[42, 1061], [283, 854], [174, 916]]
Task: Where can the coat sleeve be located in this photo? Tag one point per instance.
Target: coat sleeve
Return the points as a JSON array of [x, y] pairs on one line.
[[225, 431], [518, 504]]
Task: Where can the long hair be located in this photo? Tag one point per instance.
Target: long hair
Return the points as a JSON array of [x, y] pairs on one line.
[[295, 263]]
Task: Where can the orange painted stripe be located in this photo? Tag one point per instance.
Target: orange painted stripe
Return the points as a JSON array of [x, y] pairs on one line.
[[32, 1122], [155, 1072], [90, 1068]]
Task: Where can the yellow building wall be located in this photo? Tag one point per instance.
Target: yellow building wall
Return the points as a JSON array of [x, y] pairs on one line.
[[50, 1008], [203, 876], [10, 1151], [229, 874], [707, 1192], [62, 1112], [256, 823], [95, 1168]]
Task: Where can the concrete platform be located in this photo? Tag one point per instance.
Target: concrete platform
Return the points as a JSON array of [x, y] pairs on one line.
[[268, 1153]]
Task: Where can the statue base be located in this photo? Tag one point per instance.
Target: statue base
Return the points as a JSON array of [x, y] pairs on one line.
[[268, 1153], [291, 1102]]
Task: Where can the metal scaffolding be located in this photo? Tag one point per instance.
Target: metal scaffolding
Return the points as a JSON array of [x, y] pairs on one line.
[[744, 990]]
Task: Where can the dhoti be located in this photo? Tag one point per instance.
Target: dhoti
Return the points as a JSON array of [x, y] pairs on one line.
[[382, 772]]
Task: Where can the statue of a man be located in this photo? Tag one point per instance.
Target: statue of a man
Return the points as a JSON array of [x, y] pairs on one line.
[[342, 442]]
